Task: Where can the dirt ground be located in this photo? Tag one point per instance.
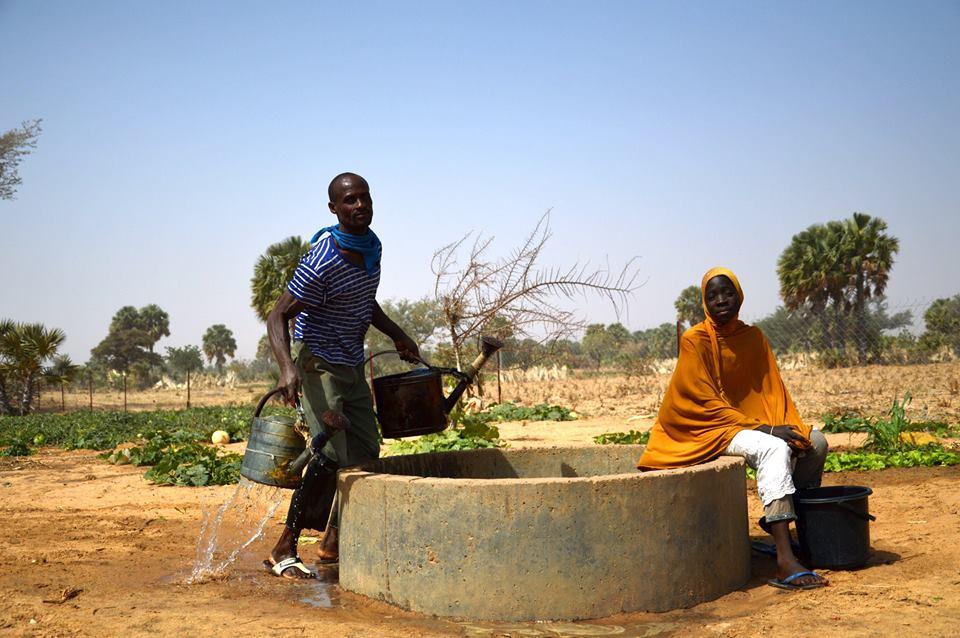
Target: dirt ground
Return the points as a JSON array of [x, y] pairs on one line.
[[69, 521]]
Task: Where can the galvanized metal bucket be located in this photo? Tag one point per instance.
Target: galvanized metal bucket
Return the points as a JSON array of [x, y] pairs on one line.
[[273, 445]]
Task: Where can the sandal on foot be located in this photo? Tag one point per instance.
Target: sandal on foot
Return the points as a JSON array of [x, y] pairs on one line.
[[787, 583], [277, 569]]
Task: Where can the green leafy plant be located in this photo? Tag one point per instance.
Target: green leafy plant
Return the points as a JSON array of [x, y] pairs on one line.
[[174, 442], [195, 465], [179, 460], [539, 412], [844, 420], [17, 448], [631, 437], [106, 430], [467, 432], [886, 434], [927, 456]]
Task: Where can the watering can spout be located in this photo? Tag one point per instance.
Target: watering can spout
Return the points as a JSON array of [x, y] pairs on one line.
[[488, 346]]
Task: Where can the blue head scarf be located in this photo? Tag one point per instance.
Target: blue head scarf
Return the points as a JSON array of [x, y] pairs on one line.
[[367, 245]]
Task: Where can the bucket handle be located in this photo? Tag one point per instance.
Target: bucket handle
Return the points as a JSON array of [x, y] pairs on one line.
[[867, 517]]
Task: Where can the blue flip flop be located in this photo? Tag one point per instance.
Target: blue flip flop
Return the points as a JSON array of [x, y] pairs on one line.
[[787, 583]]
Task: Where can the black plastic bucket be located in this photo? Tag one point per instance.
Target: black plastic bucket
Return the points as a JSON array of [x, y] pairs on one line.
[[833, 525]]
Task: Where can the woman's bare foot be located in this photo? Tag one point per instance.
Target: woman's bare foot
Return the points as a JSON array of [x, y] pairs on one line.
[[329, 552]]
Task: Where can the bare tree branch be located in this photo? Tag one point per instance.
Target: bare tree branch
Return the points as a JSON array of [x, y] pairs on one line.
[[515, 294]]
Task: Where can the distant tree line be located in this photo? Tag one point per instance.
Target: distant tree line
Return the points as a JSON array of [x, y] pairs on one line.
[[832, 281]]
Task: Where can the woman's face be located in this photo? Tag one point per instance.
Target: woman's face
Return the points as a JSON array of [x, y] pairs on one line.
[[722, 300]]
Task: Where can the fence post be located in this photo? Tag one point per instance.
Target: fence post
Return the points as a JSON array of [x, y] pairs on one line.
[[90, 388], [188, 388], [499, 366], [124, 390], [679, 334]]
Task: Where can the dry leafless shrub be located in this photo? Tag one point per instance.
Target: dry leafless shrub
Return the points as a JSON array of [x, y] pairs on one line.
[[514, 295]]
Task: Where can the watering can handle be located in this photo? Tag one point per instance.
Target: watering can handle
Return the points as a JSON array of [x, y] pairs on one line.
[[377, 354], [264, 400], [451, 371]]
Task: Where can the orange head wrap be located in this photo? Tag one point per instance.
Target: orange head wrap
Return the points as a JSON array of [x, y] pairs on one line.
[[710, 324], [710, 274]]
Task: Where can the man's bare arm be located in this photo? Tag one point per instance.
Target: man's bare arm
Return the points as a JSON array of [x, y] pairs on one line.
[[278, 331], [406, 347]]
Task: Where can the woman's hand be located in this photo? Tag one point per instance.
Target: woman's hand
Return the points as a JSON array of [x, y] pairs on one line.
[[794, 439]]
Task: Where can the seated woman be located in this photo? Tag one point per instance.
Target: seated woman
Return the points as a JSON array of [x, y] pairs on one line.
[[726, 397]]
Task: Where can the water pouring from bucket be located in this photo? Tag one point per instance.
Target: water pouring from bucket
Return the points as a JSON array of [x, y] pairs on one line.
[[277, 453]]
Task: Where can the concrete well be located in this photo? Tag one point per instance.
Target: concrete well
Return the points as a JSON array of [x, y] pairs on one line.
[[537, 534]]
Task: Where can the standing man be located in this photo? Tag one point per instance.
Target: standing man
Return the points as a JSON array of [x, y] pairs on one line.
[[332, 298]]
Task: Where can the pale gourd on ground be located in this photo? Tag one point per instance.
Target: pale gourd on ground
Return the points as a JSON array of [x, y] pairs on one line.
[[220, 437]]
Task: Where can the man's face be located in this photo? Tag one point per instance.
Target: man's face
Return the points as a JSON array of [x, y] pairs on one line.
[[722, 299], [352, 205]]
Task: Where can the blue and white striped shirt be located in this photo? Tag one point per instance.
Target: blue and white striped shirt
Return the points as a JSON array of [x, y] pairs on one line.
[[339, 299]]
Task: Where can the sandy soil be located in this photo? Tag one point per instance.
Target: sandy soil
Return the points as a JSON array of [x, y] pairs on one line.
[[69, 521]]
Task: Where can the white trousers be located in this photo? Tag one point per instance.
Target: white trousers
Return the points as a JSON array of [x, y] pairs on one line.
[[779, 469]]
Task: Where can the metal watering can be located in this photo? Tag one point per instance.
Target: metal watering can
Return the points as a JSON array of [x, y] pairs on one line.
[[412, 403], [276, 453]]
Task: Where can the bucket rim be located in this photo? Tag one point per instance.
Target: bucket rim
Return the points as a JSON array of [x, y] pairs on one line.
[[856, 493]]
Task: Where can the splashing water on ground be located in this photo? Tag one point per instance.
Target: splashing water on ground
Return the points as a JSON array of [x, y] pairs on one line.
[[232, 527]]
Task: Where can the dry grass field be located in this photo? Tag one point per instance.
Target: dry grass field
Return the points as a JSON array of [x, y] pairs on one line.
[[935, 388]]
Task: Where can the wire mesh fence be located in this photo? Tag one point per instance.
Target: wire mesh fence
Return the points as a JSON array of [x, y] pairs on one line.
[[878, 333]]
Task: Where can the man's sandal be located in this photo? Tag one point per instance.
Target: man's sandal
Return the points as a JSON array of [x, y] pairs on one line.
[[277, 569]]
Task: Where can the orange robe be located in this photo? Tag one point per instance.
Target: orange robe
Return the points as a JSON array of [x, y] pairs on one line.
[[704, 408]]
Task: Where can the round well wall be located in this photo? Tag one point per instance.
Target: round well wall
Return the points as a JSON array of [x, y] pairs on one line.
[[536, 534]]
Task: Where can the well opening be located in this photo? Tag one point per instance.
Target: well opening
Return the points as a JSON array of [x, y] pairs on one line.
[[512, 464]]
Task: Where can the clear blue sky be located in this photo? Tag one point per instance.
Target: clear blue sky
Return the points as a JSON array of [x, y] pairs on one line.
[[180, 139]]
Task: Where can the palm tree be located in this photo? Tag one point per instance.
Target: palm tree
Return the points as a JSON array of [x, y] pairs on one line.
[[61, 372], [689, 305], [273, 271], [155, 321], [24, 347], [810, 277], [218, 344], [866, 258], [6, 326]]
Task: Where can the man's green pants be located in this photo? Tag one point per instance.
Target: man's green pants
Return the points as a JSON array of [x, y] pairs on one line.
[[342, 389]]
